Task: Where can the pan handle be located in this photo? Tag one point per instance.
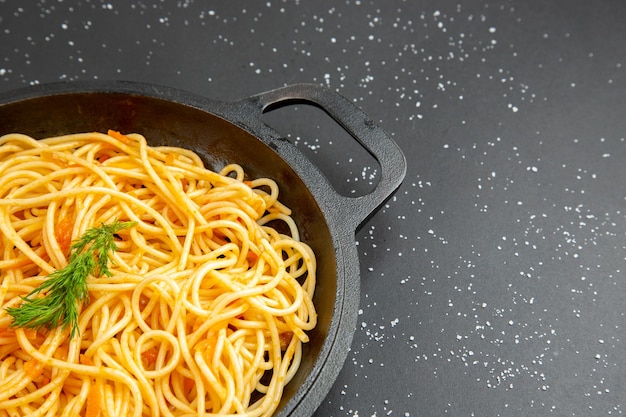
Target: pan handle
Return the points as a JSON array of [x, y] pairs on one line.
[[360, 127]]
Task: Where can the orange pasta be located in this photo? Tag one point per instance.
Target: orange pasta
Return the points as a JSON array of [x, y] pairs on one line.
[[210, 297]]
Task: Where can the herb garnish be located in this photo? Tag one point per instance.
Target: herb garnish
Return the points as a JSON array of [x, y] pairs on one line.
[[66, 289]]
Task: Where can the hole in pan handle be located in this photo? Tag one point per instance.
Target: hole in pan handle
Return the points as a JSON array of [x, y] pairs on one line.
[[360, 127]]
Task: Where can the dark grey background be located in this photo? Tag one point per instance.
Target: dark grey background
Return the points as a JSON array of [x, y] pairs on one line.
[[493, 281]]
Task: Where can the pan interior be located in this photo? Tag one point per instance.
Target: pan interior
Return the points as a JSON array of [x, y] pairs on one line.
[[218, 142]]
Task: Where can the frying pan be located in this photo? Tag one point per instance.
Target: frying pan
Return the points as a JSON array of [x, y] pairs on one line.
[[233, 132]]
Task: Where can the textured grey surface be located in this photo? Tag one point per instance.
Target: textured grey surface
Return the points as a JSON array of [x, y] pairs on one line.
[[493, 281]]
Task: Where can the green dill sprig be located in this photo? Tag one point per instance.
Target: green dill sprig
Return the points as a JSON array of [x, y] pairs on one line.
[[65, 290]]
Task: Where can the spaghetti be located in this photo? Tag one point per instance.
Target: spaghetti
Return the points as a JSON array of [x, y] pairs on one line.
[[210, 295]]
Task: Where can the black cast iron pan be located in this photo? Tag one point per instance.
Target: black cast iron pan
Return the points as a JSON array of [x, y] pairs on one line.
[[233, 132]]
